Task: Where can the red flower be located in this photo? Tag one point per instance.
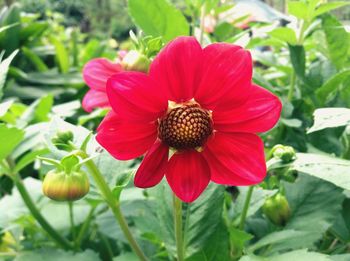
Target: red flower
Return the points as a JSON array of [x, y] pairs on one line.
[[201, 104], [96, 73]]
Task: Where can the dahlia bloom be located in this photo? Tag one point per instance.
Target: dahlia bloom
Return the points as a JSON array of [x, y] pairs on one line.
[[195, 117], [96, 73]]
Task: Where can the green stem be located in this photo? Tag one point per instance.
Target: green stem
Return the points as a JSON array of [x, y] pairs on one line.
[[246, 207], [71, 219], [84, 228], [178, 228], [37, 215], [292, 86], [113, 204]]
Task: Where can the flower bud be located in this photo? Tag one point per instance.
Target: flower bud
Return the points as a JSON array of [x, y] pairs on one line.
[[62, 140], [62, 186], [277, 210], [135, 61], [284, 153]]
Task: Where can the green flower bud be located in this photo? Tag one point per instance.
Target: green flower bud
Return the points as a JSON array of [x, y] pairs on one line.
[[135, 61], [277, 210], [62, 140], [285, 153], [62, 186]]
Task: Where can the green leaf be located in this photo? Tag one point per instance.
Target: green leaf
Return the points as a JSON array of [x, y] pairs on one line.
[[4, 66], [207, 236], [62, 55], [29, 158], [338, 40], [343, 257], [9, 39], [312, 201], [328, 90], [300, 255], [158, 18], [38, 111], [57, 255], [325, 167], [326, 7], [285, 34], [299, 9], [297, 57], [34, 59], [9, 139], [330, 118]]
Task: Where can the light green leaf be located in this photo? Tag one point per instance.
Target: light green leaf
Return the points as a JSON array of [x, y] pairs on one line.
[[158, 18], [9, 139], [284, 34], [299, 9], [328, 168], [300, 255], [326, 7], [328, 90], [62, 55], [330, 118]]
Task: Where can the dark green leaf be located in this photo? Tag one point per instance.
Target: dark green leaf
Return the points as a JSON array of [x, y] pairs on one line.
[[297, 57], [9, 139]]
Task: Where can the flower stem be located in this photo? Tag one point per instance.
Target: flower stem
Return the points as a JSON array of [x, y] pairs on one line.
[[37, 215], [113, 204], [246, 207], [292, 86], [202, 17], [71, 219], [84, 228], [178, 228]]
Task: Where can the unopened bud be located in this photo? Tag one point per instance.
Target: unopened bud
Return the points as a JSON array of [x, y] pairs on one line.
[[62, 140], [135, 61], [277, 210], [285, 153], [62, 186]]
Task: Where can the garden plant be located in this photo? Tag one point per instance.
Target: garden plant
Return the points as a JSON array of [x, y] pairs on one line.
[[198, 133]]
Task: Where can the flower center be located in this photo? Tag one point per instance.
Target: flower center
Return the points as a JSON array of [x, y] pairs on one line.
[[187, 126]]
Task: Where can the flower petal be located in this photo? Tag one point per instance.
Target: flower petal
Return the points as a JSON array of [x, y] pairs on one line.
[[236, 159], [226, 76], [135, 97], [258, 114], [97, 71], [125, 140], [95, 99], [188, 174], [153, 166], [177, 68]]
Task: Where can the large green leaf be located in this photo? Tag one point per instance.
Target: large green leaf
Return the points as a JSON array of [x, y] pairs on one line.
[[330, 118], [158, 18], [9, 139], [325, 167], [299, 9], [57, 255], [205, 235], [338, 40]]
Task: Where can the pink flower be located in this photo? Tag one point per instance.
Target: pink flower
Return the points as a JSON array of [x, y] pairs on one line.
[[202, 107], [96, 73]]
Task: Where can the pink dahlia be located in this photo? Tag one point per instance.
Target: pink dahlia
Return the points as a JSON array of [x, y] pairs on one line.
[[195, 117], [96, 73]]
